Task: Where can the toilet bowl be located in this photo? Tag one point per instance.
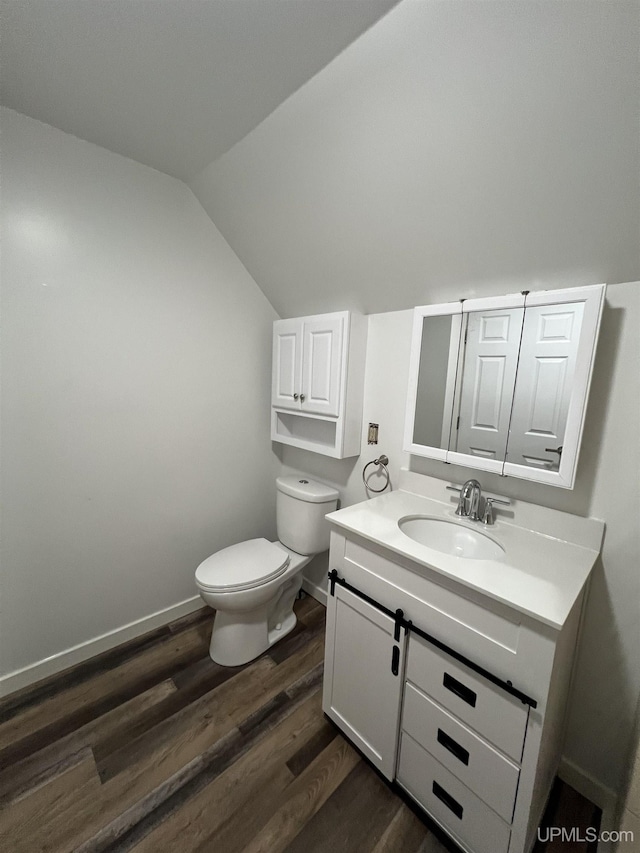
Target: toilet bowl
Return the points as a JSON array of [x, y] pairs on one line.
[[253, 585]]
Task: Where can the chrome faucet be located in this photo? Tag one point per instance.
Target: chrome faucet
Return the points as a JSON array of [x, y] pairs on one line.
[[470, 493], [469, 503]]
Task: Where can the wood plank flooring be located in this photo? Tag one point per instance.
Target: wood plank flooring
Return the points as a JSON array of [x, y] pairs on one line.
[[152, 747]]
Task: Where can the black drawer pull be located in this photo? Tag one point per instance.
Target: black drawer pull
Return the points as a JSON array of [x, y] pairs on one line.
[[454, 748], [395, 660], [447, 799], [459, 689]]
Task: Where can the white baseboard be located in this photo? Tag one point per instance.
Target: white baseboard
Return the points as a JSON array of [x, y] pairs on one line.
[[601, 796], [83, 651], [315, 591]]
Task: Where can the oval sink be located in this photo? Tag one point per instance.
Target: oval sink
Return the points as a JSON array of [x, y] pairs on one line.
[[451, 538]]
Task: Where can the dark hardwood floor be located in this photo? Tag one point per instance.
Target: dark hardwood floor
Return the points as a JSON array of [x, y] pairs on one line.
[[152, 747]]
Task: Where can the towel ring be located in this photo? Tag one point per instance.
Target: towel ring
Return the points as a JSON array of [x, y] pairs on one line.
[[382, 461]]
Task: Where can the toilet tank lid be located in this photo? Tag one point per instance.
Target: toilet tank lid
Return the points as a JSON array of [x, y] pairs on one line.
[[306, 489]]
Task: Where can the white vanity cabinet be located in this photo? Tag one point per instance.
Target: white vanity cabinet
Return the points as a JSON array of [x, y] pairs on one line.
[[473, 725], [317, 382]]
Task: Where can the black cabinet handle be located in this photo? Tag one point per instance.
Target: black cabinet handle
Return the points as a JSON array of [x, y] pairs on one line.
[[453, 746], [447, 799], [465, 693], [395, 660]]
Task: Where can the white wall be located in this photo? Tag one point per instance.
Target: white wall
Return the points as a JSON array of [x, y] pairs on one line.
[[455, 149], [135, 420], [608, 486]]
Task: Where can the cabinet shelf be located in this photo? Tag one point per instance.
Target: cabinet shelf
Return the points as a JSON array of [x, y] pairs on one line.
[[310, 433]]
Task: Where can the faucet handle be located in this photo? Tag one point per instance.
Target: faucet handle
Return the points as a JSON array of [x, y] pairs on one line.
[[488, 516], [461, 509]]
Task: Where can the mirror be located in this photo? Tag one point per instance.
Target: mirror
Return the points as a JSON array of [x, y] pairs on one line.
[[439, 347], [546, 369], [487, 381], [501, 384]]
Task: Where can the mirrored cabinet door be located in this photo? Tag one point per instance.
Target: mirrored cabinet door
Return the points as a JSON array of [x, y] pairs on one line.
[[433, 369], [557, 352], [548, 355], [437, 369], [486, 384], [501, 384]]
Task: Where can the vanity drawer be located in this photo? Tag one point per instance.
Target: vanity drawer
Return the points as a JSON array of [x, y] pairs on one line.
[[497, 716], [450, 802], [466, 755]]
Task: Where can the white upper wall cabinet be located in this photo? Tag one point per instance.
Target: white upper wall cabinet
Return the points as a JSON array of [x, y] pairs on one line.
[[501, 384], [318, 380], [307, 357]]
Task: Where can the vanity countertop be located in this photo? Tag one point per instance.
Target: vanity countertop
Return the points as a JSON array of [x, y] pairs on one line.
[[540, 575]]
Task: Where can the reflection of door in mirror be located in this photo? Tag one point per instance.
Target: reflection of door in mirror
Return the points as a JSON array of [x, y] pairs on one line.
[[488, 379], [548, 353], [436, 380]]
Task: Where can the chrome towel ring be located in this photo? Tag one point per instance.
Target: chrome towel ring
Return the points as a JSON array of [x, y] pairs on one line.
[[382, 461]]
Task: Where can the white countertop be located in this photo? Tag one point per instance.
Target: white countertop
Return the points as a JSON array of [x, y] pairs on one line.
[[540, 575]]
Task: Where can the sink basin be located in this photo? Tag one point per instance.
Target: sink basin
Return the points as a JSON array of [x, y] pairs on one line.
[[451, 538]]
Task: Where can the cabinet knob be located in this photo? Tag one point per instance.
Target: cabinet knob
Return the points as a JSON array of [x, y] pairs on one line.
[[302, 398], [295, 396]]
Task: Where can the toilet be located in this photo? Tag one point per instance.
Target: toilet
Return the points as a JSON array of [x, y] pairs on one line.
[[252, 585]]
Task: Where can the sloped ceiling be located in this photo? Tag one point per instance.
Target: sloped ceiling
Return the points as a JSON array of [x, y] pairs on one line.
[[452, 150], [455, 149], [170, 83]]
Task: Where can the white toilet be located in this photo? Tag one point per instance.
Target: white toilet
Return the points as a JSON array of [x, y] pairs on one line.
[[252, 585]]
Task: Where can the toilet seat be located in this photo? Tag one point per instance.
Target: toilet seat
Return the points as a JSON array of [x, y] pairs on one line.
[[242, 566]]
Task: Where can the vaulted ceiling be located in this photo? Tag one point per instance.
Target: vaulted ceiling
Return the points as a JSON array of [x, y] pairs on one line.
[[454, 150], [357, 159], [170, 83]]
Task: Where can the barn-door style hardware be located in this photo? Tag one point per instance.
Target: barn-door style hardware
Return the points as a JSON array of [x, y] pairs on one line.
[[406, 625]]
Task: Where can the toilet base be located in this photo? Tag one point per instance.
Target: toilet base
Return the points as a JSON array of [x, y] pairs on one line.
[[277, 633], [238, 638], [241, 636]]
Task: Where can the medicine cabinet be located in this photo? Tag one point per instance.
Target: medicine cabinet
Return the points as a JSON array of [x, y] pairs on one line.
[[500, 384]]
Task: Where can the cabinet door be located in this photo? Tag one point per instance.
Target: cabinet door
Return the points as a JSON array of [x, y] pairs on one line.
[[287, 358], [363, 677], [322, 364]]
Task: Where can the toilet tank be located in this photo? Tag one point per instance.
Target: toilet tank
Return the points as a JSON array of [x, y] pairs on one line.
[[301, 506]]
